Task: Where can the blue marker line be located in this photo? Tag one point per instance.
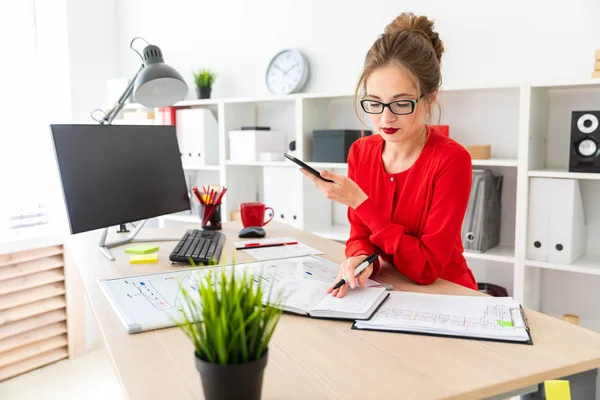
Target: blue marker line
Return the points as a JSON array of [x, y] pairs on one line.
[[310, 273], [142, 283]]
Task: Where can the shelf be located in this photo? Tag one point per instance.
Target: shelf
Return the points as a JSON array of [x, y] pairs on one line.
[[496, 162], [187, 218], [199, 102], [584, 265], [568, 84], [335, 232], [562, 173], [201, 167], [261, 163], [329, 165], [491, 86], [501, 253], [135, 106], [328, 96], [122, 121]]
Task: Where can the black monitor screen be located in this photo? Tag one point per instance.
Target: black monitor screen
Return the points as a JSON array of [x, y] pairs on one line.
[[115, 174]]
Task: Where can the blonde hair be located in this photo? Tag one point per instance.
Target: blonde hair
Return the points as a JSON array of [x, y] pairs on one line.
[[410, 42]]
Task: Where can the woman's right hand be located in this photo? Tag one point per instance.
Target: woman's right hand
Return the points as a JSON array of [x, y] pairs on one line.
[[347, 269]]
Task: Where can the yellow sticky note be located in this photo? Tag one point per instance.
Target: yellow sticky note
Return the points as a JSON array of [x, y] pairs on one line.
[[141, 249], [143, 258], [557, 390]]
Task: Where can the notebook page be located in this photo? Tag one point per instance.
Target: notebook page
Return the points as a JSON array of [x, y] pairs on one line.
[[462, 315], [356, 301], [300, 295]]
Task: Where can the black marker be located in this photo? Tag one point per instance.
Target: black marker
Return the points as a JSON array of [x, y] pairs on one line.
[[361, 267]]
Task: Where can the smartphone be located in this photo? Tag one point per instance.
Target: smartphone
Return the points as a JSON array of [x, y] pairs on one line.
[[306, 167]]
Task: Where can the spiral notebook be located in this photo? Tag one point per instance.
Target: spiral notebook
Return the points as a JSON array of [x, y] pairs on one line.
[[469, 317]]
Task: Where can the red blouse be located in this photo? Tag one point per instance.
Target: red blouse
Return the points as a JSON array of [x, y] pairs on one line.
[[413, 219]]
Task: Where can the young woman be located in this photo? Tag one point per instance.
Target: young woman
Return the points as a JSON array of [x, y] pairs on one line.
[[408, 187]]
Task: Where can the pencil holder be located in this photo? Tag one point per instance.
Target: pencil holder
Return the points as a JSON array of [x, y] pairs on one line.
[[211, 217]]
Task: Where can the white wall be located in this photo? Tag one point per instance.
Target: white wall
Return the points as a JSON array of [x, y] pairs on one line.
[[486, 42], [93, 56]]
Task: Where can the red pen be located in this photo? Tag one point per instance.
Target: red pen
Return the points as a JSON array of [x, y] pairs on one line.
[[260, 245]]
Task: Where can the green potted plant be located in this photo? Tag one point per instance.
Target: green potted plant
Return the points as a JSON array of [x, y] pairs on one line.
[[230, 323], [204, 80]]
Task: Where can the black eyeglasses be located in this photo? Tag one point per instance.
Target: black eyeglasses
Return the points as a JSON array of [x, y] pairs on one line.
[[400, 107]]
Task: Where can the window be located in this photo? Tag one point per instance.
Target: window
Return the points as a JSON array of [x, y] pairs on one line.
[[29, 186]]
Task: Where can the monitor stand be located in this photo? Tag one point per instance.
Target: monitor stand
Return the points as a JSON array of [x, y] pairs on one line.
[[104, 247]]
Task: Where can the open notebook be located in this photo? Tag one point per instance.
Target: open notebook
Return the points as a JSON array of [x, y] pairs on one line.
[[475, 317], [310, 297]]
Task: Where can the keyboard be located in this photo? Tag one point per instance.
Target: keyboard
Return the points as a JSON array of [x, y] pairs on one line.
[[203, 247]]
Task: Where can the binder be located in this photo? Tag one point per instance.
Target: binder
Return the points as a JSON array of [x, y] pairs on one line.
[[556, 230], [538, 234], [481, 226], [286, 202], [198, 137], [460, 317]]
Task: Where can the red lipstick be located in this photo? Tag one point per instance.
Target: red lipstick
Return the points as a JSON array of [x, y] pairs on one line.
[[389, 131]]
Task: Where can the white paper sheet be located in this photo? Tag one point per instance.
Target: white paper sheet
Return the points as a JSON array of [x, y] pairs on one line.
[[473, 316], [273, 253]]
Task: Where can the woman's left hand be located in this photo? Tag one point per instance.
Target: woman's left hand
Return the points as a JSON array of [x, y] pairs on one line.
[[343, 189]]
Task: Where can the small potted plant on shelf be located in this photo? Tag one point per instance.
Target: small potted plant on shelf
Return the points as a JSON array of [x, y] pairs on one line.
[[204, 80], [231, 341]]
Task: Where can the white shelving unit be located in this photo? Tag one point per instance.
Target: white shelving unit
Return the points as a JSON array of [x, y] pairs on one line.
[[527, 125], [584, 265], [503, 253], [555, 288], [562, 173], [335, 232], [497, 162]]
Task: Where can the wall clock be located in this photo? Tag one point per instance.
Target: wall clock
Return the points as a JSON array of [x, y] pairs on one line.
[[287, 72]]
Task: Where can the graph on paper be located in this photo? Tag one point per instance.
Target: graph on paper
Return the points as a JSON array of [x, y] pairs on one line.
[[485, 317], [494, 317]]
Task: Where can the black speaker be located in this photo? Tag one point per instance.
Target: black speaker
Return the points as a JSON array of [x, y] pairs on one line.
[[585, 142]]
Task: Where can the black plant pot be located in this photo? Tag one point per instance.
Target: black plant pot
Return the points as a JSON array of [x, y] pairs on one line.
[[203, 92], [236, 381]]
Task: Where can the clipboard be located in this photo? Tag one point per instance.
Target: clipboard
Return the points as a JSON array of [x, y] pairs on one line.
[[416, 330]]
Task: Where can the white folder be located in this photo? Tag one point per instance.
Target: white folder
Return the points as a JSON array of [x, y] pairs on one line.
[[283, 192], [198, 137], [557, 230], [568, 231], [538, 235]]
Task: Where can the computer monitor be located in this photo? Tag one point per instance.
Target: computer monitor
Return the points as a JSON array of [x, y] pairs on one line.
[[115, 174]]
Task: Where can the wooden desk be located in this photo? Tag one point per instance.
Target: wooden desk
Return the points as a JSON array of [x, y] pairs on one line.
[[321, 359]]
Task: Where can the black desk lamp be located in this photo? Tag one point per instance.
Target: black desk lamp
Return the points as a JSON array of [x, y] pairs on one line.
[[155, 85]]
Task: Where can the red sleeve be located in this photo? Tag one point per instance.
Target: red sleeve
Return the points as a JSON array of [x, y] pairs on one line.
[[359, 242], [423, 258]]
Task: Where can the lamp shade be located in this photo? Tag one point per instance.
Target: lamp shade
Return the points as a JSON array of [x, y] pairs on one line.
[[158, 85]]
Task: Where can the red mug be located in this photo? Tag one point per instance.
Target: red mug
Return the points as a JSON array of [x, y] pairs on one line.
[[253, 214]]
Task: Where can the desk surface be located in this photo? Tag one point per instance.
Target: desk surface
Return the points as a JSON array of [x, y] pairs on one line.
[[320, 359]]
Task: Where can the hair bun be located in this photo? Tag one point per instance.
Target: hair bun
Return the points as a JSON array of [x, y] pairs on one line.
[[411, 23]]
